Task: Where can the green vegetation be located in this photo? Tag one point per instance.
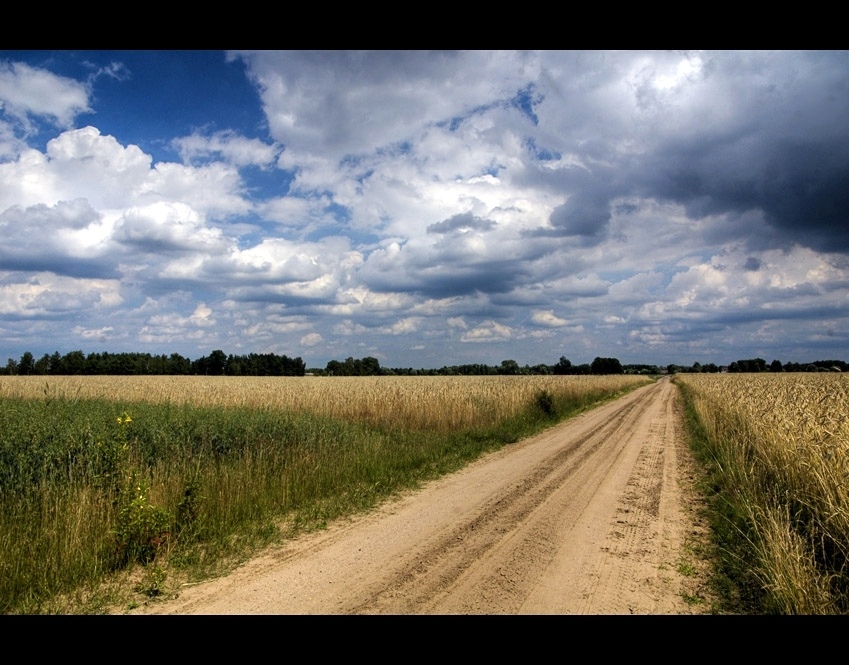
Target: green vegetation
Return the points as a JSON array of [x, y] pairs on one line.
[[101, 498]]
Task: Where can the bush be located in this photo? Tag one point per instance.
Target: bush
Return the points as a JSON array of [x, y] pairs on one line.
[[545, 403]]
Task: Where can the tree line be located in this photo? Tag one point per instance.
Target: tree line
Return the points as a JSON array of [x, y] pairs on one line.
[[759, 365], [370, 366], [219, 363], [216, 363]]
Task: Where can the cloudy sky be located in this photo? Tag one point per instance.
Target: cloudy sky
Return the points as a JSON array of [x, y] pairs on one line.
[[426, 208]]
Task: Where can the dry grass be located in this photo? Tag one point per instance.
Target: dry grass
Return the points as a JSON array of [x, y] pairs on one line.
[[782, 441]]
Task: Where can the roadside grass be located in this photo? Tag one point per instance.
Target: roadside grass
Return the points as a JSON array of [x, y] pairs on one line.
[[106, 504], [697, 556], [731, 577]]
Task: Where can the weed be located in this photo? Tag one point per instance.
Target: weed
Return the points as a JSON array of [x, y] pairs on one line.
[[692, 599], [142, 529], [686, 569], [188, 507], [153, 583]]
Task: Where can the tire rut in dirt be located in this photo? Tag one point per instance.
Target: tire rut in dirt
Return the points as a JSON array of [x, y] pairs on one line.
[[490, 560], [635, 536]]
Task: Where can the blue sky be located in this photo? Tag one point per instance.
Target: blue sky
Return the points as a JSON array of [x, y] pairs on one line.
[[426, 208]]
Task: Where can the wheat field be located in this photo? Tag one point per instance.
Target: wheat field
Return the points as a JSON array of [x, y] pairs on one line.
[[441, 403], [781, 443]]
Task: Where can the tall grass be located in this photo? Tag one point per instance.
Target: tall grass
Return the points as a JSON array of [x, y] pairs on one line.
[[778, 447], [162, 481]]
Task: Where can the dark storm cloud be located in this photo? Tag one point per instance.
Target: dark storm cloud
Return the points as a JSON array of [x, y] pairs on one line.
[[461, 222], [802, 189], [770, 141], [58, 264], [784, 151], [585, 217], [457, 280], [802, 313], [807, 194], [446, 280], [585, 214]]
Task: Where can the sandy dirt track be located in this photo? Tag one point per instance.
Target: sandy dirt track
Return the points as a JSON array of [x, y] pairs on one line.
[[592, 516]]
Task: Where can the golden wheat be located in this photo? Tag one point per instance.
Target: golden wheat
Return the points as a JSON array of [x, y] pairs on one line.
[[441, 403], [784, 440]]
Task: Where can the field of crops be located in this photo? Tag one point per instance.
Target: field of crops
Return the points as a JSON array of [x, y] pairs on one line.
[[442, 403], [779, 447], [105, 474]]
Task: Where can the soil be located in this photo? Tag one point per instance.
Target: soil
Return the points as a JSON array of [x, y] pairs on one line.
[[596, 515]]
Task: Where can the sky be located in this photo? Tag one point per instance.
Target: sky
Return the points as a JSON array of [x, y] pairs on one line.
[[426, 208]]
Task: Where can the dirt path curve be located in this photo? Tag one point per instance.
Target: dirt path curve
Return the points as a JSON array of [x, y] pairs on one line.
[[588, 517]]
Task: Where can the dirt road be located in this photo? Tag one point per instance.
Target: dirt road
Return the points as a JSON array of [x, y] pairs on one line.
[[593, 516]]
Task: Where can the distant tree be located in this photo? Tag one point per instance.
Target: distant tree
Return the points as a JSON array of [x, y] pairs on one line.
[[27, 364], [748, 365], [775, 366], [333, 368], [830, 365], [57, 364], [606, 366], [75, 362], [234, 367], [177, 364], [369, 366], [563, 366], [509, 367], [215, 364], [42, 365]]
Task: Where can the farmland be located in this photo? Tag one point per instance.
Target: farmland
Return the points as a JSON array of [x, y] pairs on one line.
[[154, 483], [105, 479], [777, 450], [407, 403]]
